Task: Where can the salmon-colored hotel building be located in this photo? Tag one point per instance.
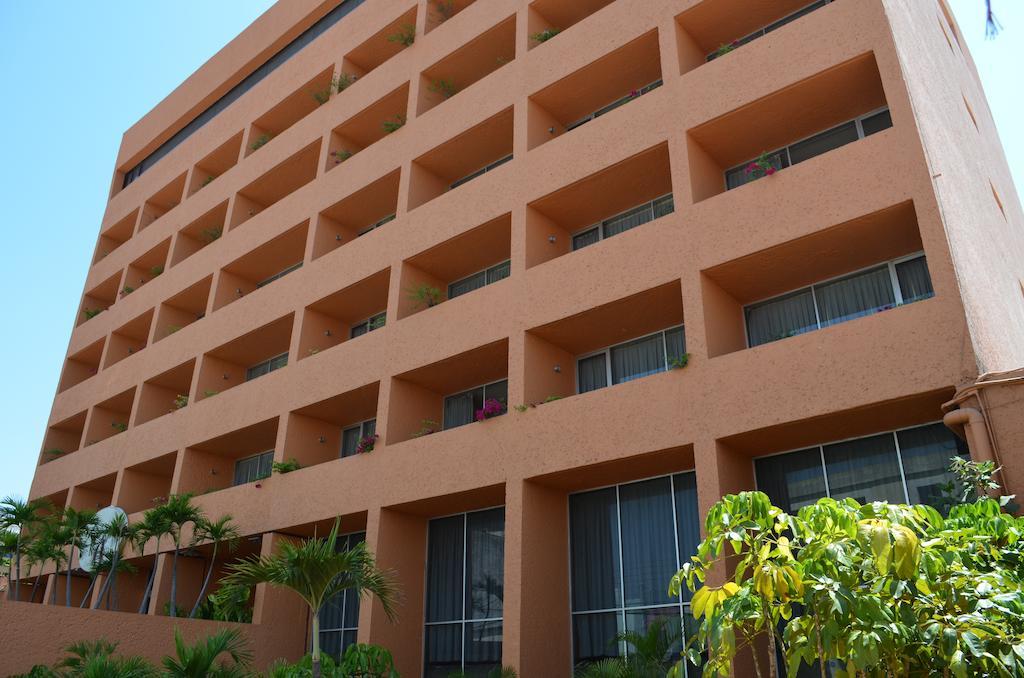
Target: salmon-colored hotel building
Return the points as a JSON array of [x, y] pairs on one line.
[[524, 287]]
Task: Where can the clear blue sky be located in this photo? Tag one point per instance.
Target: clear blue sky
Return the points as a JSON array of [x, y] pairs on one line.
[[76, 74]]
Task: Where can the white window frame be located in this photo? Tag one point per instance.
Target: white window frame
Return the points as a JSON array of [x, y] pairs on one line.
[[444, 426], [369, 324], [475, 273], [480, 172], [609, 107], [893, 279], [764, 30], [377, 224], [607, 352], [247, 458], [269, 361], [361, 426], [600, 225], [280, 274]]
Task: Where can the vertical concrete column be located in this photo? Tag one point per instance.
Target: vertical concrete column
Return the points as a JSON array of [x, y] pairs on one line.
[[668, 48], [282, 608], [537, 640], [399, 542], [516, 369]]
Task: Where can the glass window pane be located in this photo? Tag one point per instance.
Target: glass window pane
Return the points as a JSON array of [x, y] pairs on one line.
[[855, 296], [593, 636], [443, 645], [592, 373], [581, 240], [594, 549], [638, 359], [349, 638], [497, 391], [278, 362], [332, 614], [779, 318], [915, 282], [926, 452], [791, 480], [473, 282], [242, 471], [483, 648], [359, 330], [444, 569], [459, 409], [823, 143], [369, 427], [627, 221], [648, 541], [485, 564], [349, 441], [675, 339], [266, 464], [663, 206], [639, 621], [331, 643], [499, 272], [738, 176], [876, 123], [794, 16], [866, 469], [687, 518]]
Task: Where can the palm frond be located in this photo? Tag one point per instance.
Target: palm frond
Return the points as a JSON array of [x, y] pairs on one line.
[[200, 660]]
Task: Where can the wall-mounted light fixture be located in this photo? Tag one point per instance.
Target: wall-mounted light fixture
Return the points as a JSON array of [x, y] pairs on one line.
[[327, 333], [558, 368], [323, 440], [552, 239]]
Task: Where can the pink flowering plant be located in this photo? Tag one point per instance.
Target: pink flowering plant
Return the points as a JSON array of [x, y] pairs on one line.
[[762, 167], [366, 444], [491, 408]]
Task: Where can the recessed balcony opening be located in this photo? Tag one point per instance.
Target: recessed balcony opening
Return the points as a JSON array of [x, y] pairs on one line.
[[368, 126], [607, 203], [147, 267], [467, 262], [248, 357], [241, 457], [814, 116], [440, 11], [548, 18], [384, 44], [94, 494], [293, 108], [350, 313], [81, 366], [365, 210], [449, 393], [338, 427], [474, 61], [710, 30], [115, 236], [99, 298], [200, 233], [627, 339], [183, 309], [262, 266], [55, 502], [283, 180], [859, 268], [163, 201], [165, 393], [110, 417], [128, 339], [479, 150], [219, 161], [595, 90], [146, 485], [63, 438]]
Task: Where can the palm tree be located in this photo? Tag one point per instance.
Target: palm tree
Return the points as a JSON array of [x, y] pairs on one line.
[[154, 525], [216, 531], [78, 523], [199, 660], [95, 659], [119, 531], [97, 544], [19, 515], [179, 511], [317, 571], [647, 654], [49, 542]]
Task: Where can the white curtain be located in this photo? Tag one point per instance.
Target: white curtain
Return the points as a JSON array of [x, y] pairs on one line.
[[791, 480], [592, 373], [866, 469], [780, 318], [638, 359], [854, 296], [458, 409], [915, 282]]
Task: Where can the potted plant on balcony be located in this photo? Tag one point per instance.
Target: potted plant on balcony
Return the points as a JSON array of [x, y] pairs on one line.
[[762, 167], [492, 408], [366, 443], [545, 35], [341, 156], [424, 294]]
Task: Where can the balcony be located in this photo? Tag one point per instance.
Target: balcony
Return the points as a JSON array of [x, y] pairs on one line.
[[147, 267], [94, 494], [357, 214], [721, 150], [99, 298], [459, 160], [146, 485], [162, 202], [284, 179], [63, 438], [381, 46], [367, 127], [165, 393], [446, 394], [547, 18], [183, 309], [296, 106], [767, 296], [200, 233], [332, 428], [595, 90], [110, 417], [115, 236], [236, 458], [347, 314], [128, 339], [262, 266], [609, 202], [81, 365], [443, 10], [457, 266], [472, 62], [216, 163], [246, 358]]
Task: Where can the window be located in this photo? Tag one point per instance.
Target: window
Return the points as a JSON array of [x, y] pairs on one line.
[[613, 105], [631, 360], [281, 274], [465, 582], [625, 543], [351, 436], [267, 366], [254, 468], [806, 149], [479, 279], [483, 170], [771, 27], [339, 617], [625, 221], [898, 282], [376, 224], [460, 409], [374, 322], [907, 466]]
